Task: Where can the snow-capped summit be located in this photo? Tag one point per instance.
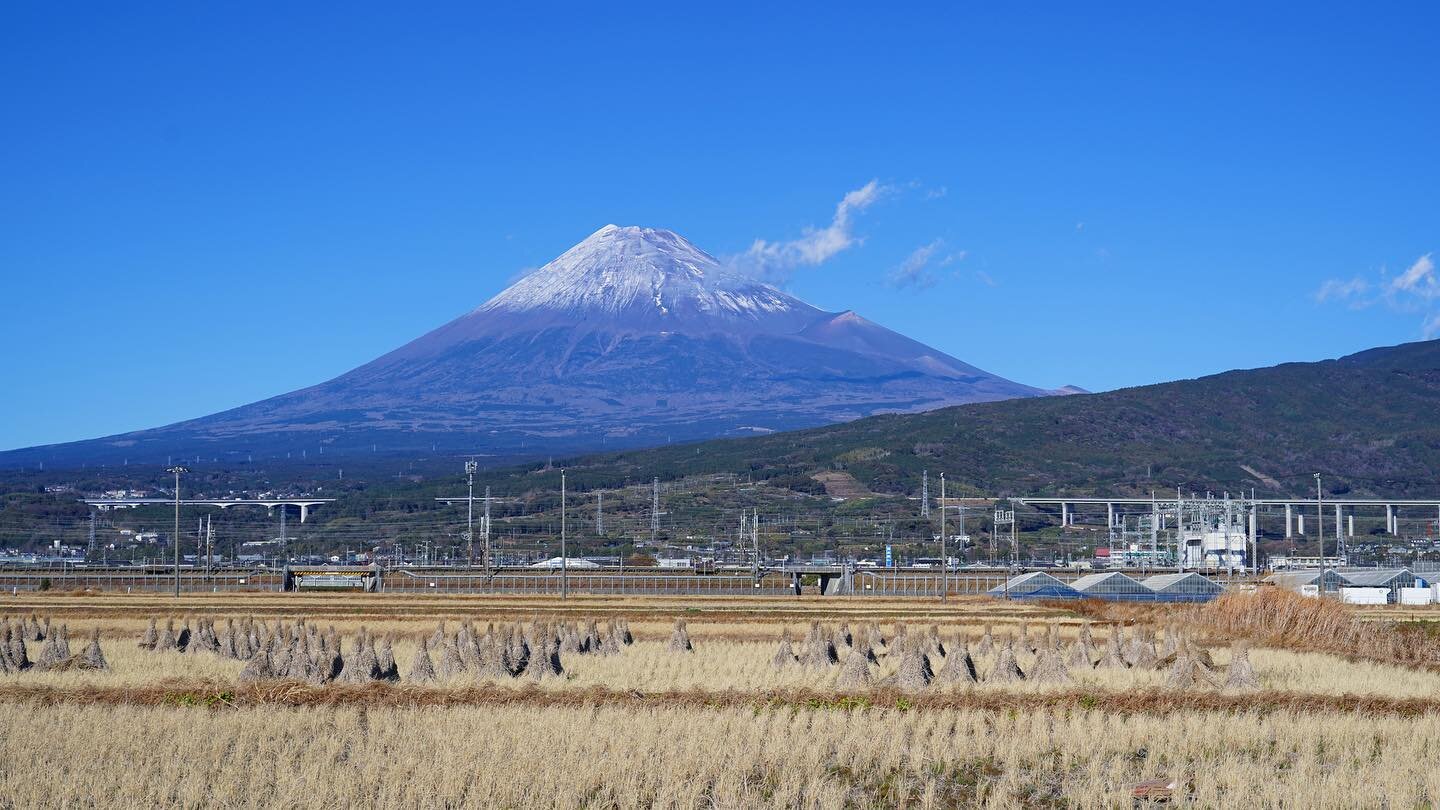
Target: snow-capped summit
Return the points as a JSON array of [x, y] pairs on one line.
[[634, 336], [648, 277]]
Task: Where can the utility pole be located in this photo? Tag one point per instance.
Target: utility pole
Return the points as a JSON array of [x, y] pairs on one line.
[[944, 561], [654, 510], [1179, 531], [209, 541], [994, 530], [564, 561], [755, 544], [284, 539], [486, 527], [1154, 529], [1229, 567], [960, 515], [177, 472], [470, 467], [1320, 531], [1014, 539]]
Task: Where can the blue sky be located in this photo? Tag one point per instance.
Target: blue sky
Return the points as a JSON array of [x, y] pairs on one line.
[[205, 205]]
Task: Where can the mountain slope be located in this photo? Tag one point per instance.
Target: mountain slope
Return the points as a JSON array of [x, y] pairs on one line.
[[632, 337], [1367, 421]]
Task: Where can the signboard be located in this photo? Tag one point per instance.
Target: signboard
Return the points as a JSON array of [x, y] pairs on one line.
[[889, 560]]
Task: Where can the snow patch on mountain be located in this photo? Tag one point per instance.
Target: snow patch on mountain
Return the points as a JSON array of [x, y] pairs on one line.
[[641, 274]]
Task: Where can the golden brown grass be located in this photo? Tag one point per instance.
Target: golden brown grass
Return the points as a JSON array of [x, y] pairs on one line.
[[720, 727], [604, 756], [720, 665], [219, 695], [1281, 618]]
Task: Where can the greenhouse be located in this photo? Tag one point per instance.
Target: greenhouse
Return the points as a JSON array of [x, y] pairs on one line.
[[1189, 587], [1112, 585], [1392, 578], [1303, 581], [1035, 585]]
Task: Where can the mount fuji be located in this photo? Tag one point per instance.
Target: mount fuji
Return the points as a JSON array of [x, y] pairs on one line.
[[632, 337]]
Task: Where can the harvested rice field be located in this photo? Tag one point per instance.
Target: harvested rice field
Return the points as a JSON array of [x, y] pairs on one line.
[[1254, 700]]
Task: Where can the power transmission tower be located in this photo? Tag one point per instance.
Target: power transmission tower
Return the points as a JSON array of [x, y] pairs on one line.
[[654, 511], [924, 493], [600, 512], [91, 548]]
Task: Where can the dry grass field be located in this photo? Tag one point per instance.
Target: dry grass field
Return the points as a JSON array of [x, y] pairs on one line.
[[1346, 710]]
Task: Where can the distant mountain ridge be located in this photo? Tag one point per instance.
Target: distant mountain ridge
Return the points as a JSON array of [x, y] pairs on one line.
[[632, 337]]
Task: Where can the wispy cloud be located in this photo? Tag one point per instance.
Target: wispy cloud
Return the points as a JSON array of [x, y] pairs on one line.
[[1414, 291], [918, 269], [1418, 279], [1430, 328], [1343, 290], [777, 261], [915, 270]]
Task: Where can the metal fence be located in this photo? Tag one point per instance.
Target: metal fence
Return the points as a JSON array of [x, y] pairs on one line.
[[120, 581], [605, 584]]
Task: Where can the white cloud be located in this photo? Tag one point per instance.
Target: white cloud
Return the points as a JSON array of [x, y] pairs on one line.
[[1417, 290], [1418, 279], [1430, 329], [914, 271], [776, 261], [957, 256], [986, 279], [917, 270], [1337, 290]]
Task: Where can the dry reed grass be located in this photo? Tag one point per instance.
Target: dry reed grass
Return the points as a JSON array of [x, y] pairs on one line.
[[670, 756]]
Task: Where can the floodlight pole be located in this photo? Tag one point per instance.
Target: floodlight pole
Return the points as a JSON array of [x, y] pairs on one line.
[[564, 561], [944, 561], [470, 467], [177, 471], [1320, 531]]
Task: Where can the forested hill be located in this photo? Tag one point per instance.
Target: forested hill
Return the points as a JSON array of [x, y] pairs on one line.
[[1370, 422]]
